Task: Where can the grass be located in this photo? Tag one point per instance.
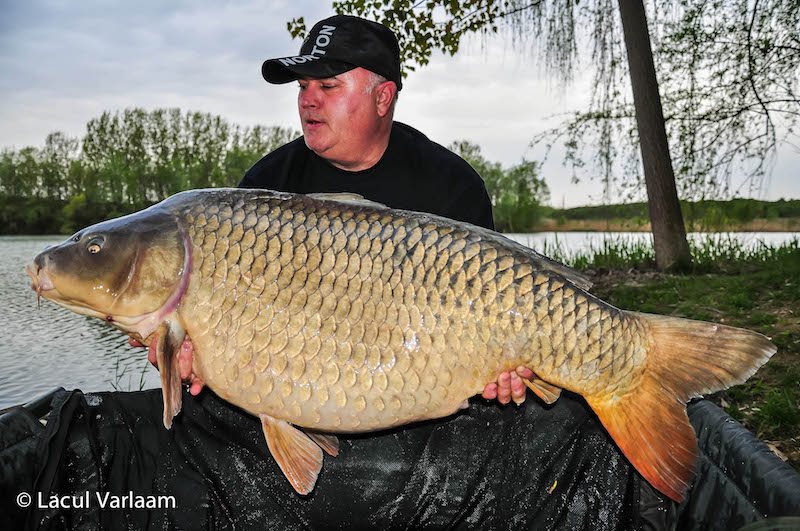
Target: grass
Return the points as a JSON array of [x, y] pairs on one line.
[[757, 288], [120, 372]]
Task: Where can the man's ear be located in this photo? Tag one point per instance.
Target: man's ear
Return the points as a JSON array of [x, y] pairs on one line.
[[384, 96]]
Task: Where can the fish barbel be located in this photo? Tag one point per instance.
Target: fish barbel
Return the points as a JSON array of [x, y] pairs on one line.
[[329, 313]]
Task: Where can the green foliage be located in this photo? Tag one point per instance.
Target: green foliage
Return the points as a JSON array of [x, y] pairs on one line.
[[126, 160], [611, 253], [420, 31], [516, 193], [42, 215], [606, 212], [74, 211], [79, 212], [780, 411], [138, 156]]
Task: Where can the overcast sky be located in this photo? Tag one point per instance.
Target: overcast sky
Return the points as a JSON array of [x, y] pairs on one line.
[[63, 63]]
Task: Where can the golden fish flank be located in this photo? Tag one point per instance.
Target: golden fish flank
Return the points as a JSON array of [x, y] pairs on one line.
[[341, 315]]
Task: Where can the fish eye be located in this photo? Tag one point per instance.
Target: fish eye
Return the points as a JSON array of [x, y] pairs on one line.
[[95, 245], [76, 238]]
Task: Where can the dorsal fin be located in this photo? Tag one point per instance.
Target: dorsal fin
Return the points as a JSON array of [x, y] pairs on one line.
[[576, 277], [346, 197]]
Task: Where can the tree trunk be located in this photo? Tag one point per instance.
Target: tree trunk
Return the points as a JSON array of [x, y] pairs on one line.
[[669, 233]]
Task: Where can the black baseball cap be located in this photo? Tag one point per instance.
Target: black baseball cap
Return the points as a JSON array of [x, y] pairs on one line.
[[338, 44]]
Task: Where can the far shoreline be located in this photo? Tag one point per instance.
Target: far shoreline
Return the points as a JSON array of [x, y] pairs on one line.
[[623, 225]]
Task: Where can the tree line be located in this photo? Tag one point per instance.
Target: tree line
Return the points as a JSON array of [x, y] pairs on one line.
[[126, 161], [709, 214], [518, 194]]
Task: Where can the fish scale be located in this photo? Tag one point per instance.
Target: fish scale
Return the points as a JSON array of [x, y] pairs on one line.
[[355, 319], [336, 314]]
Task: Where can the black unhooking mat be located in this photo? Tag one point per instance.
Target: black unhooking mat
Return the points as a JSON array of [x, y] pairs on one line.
[[489, 467]]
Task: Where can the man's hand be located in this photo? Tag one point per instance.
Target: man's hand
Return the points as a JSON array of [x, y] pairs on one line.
[[509, 386], [184, 362]]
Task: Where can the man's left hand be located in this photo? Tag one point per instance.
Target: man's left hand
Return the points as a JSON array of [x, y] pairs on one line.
[[509, 386]]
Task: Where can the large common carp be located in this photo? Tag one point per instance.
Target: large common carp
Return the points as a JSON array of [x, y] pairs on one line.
[[325, 314]]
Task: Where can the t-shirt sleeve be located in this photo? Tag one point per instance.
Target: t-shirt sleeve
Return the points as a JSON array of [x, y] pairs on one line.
[[470, 201]]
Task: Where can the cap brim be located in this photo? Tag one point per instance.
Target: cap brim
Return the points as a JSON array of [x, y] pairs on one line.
[[277, 71]]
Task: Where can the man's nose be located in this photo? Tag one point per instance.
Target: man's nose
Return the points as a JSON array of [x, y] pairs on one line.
[[309, 97]]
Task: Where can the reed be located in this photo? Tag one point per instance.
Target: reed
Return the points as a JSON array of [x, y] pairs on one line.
[[719, 252]]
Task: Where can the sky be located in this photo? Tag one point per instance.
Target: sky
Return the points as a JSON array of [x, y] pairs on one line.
[[63, 63]]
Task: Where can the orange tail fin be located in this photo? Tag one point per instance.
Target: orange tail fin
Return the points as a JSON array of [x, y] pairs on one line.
[[648, 420]]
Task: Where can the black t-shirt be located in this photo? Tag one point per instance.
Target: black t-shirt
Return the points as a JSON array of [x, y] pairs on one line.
[[413, 174]]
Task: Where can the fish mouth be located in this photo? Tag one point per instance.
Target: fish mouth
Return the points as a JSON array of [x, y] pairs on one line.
[[41, 281], [44, 287]]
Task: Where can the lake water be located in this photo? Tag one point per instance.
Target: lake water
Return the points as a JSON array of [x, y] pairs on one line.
[[48, 347]]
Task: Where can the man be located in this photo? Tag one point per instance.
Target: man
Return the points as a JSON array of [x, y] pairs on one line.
[[348, 71]]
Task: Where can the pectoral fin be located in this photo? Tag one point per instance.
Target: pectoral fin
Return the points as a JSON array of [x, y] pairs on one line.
[[168, 349], [329, 443], [299, 458], [547, 392]]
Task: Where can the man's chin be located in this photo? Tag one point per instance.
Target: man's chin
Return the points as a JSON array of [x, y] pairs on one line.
[[316, 145]]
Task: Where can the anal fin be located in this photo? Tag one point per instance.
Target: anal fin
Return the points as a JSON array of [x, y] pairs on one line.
[[299, 458], [168, 349], [326, 441], [547, 392]]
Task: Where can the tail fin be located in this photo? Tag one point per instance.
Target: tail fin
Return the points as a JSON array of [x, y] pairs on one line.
[[688, 358]]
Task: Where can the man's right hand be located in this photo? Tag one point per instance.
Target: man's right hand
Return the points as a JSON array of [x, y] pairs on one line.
[[184, 362]]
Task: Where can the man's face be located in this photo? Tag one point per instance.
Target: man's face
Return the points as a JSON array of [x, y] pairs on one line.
[[339, 116]]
